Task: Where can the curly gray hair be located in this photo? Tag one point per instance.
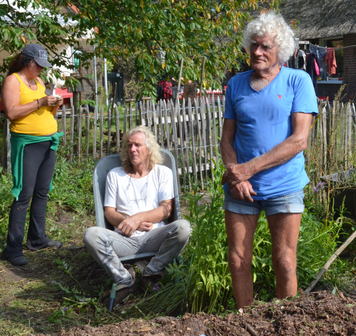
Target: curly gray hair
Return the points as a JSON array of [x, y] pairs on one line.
[[152, 145], [273, 25]]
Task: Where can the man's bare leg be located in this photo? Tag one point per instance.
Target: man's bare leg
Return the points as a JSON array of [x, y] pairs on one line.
[[285, 231], [240, 231]]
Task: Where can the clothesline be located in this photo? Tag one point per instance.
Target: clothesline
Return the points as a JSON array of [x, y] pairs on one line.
[[351, 46], [335, 48]]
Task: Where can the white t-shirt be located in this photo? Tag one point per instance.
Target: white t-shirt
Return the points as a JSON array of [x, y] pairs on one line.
[[131, 195]]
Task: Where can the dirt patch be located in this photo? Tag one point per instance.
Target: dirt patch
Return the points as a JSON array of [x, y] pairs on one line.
[[316, 314]]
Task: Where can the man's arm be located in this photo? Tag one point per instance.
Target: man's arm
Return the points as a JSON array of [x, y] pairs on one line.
[[279, 154], [241, 190], [127, 225]]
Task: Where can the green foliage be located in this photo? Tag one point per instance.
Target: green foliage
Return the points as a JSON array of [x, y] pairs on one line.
[[72, 185], [159, 34], [41, 21]]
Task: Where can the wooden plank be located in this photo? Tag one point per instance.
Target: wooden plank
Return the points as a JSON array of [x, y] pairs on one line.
[[80, 117], [181, 139], [72, 133], [220, 119], [203, 137], [187, 139], [101, 141], [190, 112], [87, 129], [353, 120], [149, 115], [154, 120], [160, 106], [199, 138], [125, 119], [108, 143], [130, 115], [175, 110], [117, 116], [96, 110], [167, 125], [140, 113], [216, 142], [348, 152], [209, 126], [64, 125]]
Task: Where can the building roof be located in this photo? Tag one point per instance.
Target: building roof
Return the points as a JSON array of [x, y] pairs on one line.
[[320, 18]]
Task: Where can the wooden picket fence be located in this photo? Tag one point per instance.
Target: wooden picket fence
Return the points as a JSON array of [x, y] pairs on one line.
[[332, 136], [191, 131]]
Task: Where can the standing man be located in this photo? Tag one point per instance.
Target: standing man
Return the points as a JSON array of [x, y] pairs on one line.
[[268, 115], [138, 200]]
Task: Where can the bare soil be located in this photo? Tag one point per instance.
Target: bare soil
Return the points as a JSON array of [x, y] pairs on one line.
[[321, 313]]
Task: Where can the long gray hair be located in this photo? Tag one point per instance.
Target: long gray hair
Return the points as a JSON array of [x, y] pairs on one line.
[[155, 156]]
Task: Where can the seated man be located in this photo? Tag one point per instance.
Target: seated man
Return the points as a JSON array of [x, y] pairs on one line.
[[138, 199]]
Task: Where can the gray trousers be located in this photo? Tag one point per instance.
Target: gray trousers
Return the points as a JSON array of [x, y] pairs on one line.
[[107, 246]]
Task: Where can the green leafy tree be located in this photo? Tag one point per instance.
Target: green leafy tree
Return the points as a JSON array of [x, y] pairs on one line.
[[24, 21], [176, 30], [158, 34]]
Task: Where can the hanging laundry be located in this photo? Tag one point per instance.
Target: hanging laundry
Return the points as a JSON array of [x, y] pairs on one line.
[[330, 60], [302, 59], [317, 70], [320, 53], [311, 70]]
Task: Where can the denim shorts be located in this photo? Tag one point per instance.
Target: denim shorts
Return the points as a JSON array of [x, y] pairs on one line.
[[291, 203]]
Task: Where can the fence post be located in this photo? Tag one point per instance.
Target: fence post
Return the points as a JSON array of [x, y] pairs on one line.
[[72, 133], [87, 130], [101, 132], [95, 120], [117, 116]]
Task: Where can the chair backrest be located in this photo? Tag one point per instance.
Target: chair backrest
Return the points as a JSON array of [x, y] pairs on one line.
[[107, 163]]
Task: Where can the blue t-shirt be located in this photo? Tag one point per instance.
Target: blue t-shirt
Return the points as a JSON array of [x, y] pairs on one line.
[[263, 120]]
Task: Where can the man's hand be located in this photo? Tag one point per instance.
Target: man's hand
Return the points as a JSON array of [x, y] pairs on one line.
[[236, 174], [243, 191], [129, 225], [145, 226]]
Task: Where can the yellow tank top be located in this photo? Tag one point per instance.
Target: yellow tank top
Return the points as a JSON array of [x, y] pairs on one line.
[[39, 122]]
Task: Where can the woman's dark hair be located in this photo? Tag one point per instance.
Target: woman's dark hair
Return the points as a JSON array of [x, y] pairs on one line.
[[19, 62]]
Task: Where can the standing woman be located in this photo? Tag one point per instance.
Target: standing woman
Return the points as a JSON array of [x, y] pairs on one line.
[[34, 140]]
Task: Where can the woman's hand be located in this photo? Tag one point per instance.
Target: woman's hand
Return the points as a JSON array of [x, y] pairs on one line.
[[51, 101]]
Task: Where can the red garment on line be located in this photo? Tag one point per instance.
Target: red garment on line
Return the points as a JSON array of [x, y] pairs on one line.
[[330, 61], [166, 89]]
